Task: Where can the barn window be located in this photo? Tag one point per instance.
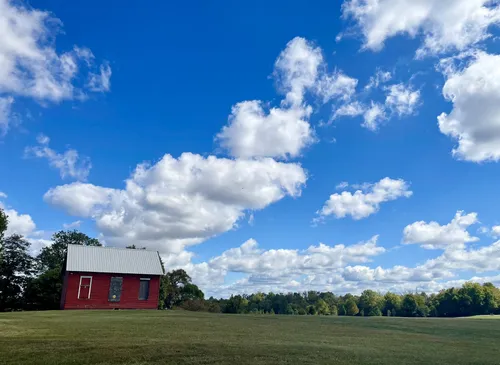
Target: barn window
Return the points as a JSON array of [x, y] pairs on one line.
[[85, 287], [144, 289], [115, 289]]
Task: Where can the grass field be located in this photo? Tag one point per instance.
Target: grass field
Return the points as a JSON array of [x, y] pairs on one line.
[[161, 337]]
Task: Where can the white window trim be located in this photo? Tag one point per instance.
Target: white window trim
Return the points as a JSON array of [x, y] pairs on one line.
[[80, 285], [145, 279]]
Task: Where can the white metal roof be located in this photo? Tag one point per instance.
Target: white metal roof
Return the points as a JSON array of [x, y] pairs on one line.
[[113, 260]]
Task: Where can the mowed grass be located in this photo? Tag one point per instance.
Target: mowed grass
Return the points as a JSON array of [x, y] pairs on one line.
[[174, 337]]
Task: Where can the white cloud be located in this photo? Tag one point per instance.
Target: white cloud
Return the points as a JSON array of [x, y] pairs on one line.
[[433, 236], [280, 132], [69, 163], [253, 132], [5, 113], [379, 78], [362, 204], [445, 25], [484, 259], [495, 231], [336, 86], [30, 65], [373, 116], [402, 99], [100, 82], [177, 202], [474, 121], [272, 269], [21, 224], [342, 185], [296, 69], [72, 225], [352, 109]]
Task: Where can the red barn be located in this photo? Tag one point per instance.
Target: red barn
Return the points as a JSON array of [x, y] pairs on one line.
[[109, 278]]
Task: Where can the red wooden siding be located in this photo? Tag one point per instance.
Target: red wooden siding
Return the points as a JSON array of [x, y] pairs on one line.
[[100, 290]]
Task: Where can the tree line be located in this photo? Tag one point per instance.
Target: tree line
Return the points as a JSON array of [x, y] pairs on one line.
[[35, 283], [468, 300]]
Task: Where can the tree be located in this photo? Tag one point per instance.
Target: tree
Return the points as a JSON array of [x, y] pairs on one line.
[[4, 222], [322, 308], [351, 307], [191, 291], [16, 267], [133, 247], [172, 284], [43, 292], [311, 309], [413, 305], [392, 303], [371, 303], [53, 256]]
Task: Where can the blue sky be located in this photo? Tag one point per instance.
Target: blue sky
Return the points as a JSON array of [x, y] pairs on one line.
[[249, 118]]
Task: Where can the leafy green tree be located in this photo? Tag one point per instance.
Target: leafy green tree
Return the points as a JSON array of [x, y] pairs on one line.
[[392, 303], [4, 222], [311, 309], [413, 305], [214, 307], [371, 303], [334, 310], [43, 292], [342, 310], [491, 298], [53, 256], [171, 285], [351, 307], [16, 267], [322, 308], [191, 291]]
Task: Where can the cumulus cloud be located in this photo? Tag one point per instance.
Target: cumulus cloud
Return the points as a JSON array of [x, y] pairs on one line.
[[255, 132], [30, 65], [178, 202], [495, 231], [284, 131], [373, 116], [379, 78], [362, 204], [402, 99], [474, 121], [343, 269], [336, 86], [275, 268], [445, 25], [433, 236], [5, 113], [70, 163], [296, 69], [352, 109], [72, 225], [100, 82]]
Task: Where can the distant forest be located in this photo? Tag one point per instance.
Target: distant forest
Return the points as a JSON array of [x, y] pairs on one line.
[[35, 283]]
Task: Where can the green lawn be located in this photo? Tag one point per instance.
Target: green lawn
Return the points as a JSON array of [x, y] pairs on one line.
[[165, 337]]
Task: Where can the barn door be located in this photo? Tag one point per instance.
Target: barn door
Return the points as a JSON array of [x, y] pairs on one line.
[[115, 289]]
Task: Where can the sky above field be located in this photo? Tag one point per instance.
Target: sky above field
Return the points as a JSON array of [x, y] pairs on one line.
[[261, 146]]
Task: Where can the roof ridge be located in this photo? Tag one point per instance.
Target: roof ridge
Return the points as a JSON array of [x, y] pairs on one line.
[[114, 248]]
